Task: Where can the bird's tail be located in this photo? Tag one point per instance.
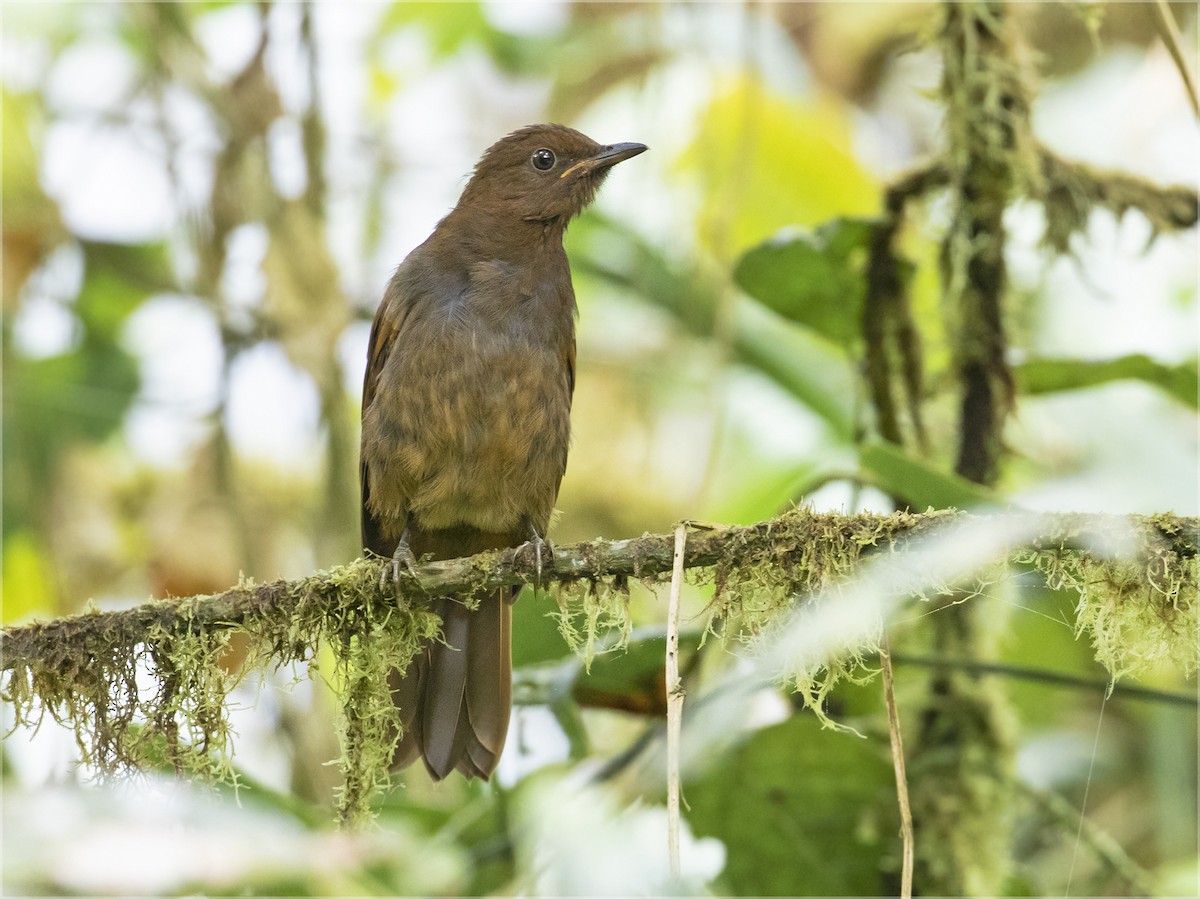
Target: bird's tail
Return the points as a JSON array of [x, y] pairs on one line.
[[455, 700]]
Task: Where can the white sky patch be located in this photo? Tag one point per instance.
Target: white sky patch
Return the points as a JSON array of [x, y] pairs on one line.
[[243, 282], [273, 409], [94, 74], [534, 741], [285, 154], [529, 18], [44, 327], [179, 349], [352, 351], [229, 36], [107, 186]]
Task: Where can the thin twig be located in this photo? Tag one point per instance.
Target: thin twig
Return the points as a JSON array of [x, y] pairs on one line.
[[897, 741], [1169, 32], [1100, 843], [1052, 678], [674, 701], [1087, 788]]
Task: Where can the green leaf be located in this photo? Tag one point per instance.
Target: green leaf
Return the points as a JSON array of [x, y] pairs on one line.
[[802, 811], [1051, 375], [117, 279], [921, 485], [765, 160], [535, 636], [813, 278]]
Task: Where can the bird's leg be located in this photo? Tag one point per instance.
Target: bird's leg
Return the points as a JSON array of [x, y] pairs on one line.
[[402, 554]]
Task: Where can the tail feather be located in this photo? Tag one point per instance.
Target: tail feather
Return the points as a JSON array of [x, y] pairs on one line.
[[406, 694], [442, 698], [489, 687], [456, 698]]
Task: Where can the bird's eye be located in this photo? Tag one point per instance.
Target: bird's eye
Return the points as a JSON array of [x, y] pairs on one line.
[[543, 160]]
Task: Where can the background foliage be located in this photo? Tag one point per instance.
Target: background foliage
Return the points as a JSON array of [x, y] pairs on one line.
[[201, 205]]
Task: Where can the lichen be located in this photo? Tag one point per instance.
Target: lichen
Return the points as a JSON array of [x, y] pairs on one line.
[[91, 679]]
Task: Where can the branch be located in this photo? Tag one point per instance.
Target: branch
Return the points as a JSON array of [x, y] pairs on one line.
[[149, 685], [789, 537], [1071, 190]]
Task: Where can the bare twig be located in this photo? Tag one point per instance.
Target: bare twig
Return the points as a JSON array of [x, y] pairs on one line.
[[1168, 30], [897, 742], [674, 700]]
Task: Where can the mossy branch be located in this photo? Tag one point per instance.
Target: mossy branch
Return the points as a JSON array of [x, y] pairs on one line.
[[723, 547], [90, 671], [1071, 190]]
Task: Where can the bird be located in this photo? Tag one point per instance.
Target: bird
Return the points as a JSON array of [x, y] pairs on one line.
[[466, 420]]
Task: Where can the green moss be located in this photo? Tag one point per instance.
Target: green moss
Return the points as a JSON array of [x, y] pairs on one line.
[[758, 583], [149, 686], [589, 611], [370, 633], [1138, 610], [85, 674]]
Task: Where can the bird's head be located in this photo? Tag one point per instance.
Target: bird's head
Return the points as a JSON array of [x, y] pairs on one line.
[[543, 173]]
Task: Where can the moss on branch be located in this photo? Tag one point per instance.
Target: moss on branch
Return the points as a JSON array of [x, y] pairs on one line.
[[92, 671]]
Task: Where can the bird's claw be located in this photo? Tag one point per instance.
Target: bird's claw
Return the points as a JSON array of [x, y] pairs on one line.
[[537, 544], [402, 555]]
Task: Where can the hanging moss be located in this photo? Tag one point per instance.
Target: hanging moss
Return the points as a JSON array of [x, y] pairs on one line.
[[1138, 605], [149, 686]]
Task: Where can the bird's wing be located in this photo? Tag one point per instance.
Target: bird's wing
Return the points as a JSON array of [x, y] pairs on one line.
[[569, 365], [389, 319]]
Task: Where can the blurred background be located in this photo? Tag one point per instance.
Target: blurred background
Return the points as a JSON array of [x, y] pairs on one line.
[[202, 203]]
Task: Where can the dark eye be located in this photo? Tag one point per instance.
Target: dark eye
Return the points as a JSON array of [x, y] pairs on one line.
[[543, 160]]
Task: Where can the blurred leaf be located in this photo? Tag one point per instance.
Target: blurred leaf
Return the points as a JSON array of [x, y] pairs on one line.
[[807, 366], [799, 811], [921, 485], [1051, 375], [757, 492], [448, 25], [451, 27], [535, 636], [815, 279], [49, 406], [766, 161], [117, 279], [32, 224], [633, 680], [81, 395], [26, 579]]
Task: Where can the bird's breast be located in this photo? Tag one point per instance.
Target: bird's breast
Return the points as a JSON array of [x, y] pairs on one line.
[[473, 418]]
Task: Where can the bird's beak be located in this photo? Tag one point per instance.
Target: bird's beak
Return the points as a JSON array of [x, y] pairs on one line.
[[608, 156]]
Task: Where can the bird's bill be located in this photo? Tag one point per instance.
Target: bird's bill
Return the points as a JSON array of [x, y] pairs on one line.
[[608, 156]]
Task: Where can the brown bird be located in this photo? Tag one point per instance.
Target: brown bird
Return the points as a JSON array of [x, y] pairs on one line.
[[466, 419]]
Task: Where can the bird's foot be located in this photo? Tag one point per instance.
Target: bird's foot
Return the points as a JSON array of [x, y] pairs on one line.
[[402, 555], [539, 546]]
